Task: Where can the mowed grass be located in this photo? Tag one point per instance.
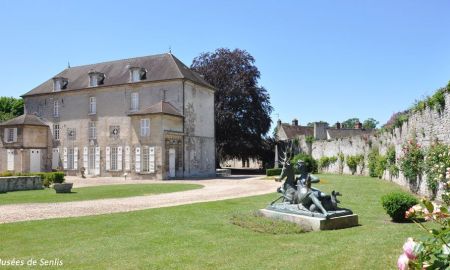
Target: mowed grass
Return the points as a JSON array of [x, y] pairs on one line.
[[201, 236], [91, 193]]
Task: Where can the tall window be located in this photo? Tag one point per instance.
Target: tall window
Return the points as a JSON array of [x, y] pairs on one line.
[[10, 135], [145, 159], [114, 158], [55, 108], [70, 159], [92, 105], [56, 132], [145, 127], [92, 131], [134, 101]]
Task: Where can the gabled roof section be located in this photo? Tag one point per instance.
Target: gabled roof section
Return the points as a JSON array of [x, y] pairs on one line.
[[292, 131], [159, 67], [25, 119], [161, 107]]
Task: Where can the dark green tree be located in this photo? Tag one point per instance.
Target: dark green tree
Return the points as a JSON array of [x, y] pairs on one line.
[[370, 123], [10, 107], [311, 124], [350, 123], [242, 107]]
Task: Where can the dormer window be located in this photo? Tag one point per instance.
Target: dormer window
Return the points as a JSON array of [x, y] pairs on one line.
[[59, 83], [96, 78], [137, 74]]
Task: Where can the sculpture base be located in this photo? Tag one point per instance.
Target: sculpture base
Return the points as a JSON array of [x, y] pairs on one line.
[[309, 223]]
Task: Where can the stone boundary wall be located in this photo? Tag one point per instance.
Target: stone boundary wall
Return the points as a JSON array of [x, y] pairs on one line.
[[427, 126], [17, 183]]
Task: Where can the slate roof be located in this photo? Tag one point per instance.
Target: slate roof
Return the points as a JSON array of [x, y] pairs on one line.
[[293, 131], [24, 119], [160, 107], [159, 67]]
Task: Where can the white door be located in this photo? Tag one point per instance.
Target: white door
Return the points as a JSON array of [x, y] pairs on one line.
[[91, 167], [35, 160], [171, 162], [10, 160], [55, 158]]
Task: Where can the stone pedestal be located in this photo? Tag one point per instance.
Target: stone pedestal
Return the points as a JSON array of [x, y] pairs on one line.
[[314, 223]]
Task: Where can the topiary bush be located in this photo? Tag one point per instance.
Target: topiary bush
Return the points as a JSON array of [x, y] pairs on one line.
[[397, 203]]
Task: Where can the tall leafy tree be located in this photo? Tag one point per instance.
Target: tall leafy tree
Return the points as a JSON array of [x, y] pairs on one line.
[[10, 107], [370, 123], [350, 123], [242, 107]]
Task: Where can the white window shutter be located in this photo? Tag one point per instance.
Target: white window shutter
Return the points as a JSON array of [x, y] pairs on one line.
[[97, 160], [85, 158], [137, 165], [5, 133], [15, 135], [127, 158], [108, 158], [65, 158], [151, 151], [119, 158], [10, 161], [75, 158]]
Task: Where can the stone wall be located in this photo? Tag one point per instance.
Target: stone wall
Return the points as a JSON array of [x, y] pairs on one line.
[[426, 126], [16, 183]]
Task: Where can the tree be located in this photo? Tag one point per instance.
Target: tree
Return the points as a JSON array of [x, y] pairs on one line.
[[10, 107], [311, 124], [350, 123], [242, 107], [370, 123]]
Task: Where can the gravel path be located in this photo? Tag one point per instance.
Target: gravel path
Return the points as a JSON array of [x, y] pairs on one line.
[[213, 190]]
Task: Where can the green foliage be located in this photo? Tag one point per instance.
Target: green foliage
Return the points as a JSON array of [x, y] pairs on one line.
[[353, 162], [350, 123], [310, 162], [370, 123], [10, 107], [436, 164], [325, 162], [381, 166], [341, 159], [373, 160], [309, 139], [412, 162], [273, 172], [391, 162], [48, 178], [256, 222], [397, 203]]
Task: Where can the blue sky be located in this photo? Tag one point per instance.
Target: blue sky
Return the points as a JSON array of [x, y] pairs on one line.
[[320, 60]]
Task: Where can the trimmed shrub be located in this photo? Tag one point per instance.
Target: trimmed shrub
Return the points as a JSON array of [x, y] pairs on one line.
[[273, 172], [397, 203]]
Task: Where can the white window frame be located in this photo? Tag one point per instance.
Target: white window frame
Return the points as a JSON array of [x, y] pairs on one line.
[[135, 75], [145, 159], [92, 105], [114, 158], [56, 132], [92, 130], [10, 135], [57, 85], [55, 108], [134, 106], [93, 80], [70, 158], [145, 127]]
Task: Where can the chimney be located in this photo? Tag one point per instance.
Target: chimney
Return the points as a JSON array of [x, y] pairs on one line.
[[338, 125], [295, 122], [358, 125], [279, 122]]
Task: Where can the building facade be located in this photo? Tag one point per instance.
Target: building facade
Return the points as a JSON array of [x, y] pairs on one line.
[[147, 117]]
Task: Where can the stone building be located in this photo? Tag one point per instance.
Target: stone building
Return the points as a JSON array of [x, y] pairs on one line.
[[148, 117]]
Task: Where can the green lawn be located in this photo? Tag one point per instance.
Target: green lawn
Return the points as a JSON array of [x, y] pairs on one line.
[[91, 193], [200, 236]]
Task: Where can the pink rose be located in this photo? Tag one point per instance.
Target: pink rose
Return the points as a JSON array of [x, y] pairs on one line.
[[403, 262], [408, 248]]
